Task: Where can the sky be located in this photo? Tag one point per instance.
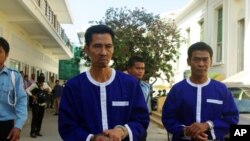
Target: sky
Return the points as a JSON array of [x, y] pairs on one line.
[[83, 11]]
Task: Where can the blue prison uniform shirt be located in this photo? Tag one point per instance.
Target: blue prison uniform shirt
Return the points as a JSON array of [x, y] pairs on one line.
[[146, 92], [187, 103], [89, 107]]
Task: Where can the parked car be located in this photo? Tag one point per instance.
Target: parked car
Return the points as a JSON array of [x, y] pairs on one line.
[[241, 94]]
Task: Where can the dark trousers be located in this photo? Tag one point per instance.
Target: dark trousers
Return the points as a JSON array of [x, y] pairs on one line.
[[37, 118], [49, 101], [5, 128]]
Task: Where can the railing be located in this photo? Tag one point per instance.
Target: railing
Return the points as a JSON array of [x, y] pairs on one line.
[[45, 7]]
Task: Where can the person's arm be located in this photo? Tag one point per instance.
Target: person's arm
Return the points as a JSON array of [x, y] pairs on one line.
[[21, 103], [197, 131], [47, 87], [118, 133], [20, 108], [230, 116], [70, 126], [30, 88], [139, 118], [169, 119]]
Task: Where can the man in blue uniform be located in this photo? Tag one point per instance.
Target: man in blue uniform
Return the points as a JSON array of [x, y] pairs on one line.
[[13, 99], [199, 108], [102, 103]]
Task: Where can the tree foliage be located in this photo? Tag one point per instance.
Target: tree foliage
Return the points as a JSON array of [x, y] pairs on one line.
[[141, 33]]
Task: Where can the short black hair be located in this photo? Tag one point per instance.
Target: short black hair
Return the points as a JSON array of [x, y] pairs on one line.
[[132, 60], [40, 79], [200, 46], [97, 29], [5, 45]]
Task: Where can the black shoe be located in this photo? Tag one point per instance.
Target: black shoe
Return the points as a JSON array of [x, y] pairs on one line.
[[39, 134], [33, 135]]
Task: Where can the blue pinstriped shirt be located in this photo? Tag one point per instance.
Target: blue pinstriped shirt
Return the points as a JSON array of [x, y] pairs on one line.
[[146, 92], [9, 109]]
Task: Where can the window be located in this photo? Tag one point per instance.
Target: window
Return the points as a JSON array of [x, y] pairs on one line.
[[219, 36], [188, 37], [14, 64], [240, 47], [201, 23]]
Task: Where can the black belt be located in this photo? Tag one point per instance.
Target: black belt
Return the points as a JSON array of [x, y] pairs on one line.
[[7, 121]]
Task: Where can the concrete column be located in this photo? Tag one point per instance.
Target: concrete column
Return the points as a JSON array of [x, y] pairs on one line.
[[247, 35]]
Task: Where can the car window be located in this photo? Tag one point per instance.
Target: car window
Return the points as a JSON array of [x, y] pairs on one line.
[[241, 98], [246, 94], [235, 92]]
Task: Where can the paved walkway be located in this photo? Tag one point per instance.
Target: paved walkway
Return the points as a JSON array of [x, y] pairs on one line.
[[50, 132], [49, 128], [156, 133]]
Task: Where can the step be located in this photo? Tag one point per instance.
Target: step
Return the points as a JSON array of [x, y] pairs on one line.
[[156, 113], [156, 118]]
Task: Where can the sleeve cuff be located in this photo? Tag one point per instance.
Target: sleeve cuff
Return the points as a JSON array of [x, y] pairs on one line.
[[124, 129], [210, 124]]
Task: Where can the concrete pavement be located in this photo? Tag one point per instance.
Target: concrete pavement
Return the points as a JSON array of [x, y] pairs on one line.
[[156, 133], [49, 128], [50, 132]]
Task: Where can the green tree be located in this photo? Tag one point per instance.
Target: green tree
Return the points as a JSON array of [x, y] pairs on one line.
[[69, 68], [141, 33]]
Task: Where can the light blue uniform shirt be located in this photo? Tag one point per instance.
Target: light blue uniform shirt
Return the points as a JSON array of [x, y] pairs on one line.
[[146, 92], [11, 110]]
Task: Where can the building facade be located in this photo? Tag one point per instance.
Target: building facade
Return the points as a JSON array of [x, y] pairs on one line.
[[33, 30], [223, 24]]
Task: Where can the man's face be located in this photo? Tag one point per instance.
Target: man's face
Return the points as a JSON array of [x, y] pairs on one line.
[[3, 57], [199, 63], [26, 78], [137, 70], [100, 50]]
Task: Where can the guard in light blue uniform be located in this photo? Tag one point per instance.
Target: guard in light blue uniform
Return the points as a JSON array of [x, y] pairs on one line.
[[136, 68], [13, 99], [146, 92]]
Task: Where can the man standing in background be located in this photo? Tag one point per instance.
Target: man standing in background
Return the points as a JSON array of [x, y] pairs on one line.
[[57, 92], [50, 98], [26, 81], [136, 68], [33, 78]]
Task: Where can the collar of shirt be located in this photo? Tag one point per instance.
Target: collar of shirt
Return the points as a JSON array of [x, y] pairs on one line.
[[144, 84], [4, 70]]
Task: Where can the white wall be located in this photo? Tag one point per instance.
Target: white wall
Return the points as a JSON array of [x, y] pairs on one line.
[[188, 20], [247, 35], [26, 50], [233, 11]]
